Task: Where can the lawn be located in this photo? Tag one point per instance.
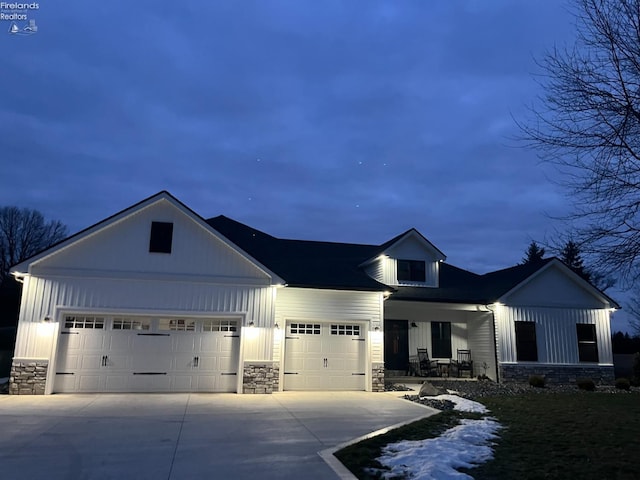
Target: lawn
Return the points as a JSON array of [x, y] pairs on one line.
[[546, 436]]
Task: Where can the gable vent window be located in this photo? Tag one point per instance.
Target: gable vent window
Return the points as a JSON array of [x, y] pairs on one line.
[[411, 271], [161, 237], [587, 342]]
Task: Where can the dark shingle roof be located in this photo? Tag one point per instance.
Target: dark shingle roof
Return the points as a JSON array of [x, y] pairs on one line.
[[458, 285], [303, 263]]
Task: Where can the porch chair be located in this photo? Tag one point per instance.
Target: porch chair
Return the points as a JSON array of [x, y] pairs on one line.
[[426, 365], [463, 362]]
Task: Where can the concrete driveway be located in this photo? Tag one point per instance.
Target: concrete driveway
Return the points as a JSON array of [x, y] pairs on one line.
[[186, 436]]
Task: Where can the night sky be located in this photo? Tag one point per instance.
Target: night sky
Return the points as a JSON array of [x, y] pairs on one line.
[[347, 121]]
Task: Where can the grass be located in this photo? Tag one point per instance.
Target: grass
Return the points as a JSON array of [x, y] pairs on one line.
[[556, 436], [581, 435]]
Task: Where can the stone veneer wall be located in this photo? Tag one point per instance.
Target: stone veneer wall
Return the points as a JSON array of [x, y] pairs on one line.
[[260, 377], [377, 377], [556, 373], [28, 377]]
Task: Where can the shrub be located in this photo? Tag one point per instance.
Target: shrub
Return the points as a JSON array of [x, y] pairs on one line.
[[536, 381], [586, 384], [623, 384]]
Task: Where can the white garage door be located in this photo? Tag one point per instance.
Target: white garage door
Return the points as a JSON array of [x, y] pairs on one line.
[[136, 354], [324, 356]]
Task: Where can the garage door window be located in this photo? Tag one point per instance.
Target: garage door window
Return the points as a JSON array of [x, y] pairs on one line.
[[131, 324], [219, 325], [83, 322], [353, 330], [305, 328], [177, 324]]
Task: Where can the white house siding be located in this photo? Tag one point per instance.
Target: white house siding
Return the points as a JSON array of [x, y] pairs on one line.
[[124, 247], [53, 297], [555, 333], [554, 288], [299, 304], [482, 341], [376, 269], [470, 329]]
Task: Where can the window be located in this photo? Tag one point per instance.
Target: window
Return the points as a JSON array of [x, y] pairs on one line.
[[411, 271], [526, 345], [305, 328], [177, 324], [353, 330], [219, 325], [587, 342], [120, 323], [83, 322], [441, 339], [161, 237]]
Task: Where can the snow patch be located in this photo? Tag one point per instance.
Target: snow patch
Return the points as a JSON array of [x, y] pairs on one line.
[[463, 446]]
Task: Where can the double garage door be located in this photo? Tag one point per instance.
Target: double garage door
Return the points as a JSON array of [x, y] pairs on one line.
[[137, 354], [324, 356]]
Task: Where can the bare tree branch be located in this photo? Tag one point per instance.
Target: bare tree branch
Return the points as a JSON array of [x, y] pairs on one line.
[[23, 233], [588, 126]]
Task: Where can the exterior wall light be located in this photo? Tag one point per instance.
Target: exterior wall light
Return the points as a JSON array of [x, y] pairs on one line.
[[376, 329], [414, 325], [251, 324], [277, 326], [46, 319]]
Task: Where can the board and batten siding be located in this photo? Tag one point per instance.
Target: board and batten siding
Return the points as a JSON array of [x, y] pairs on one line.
[[123, 248], [556, 335], [52, 297]]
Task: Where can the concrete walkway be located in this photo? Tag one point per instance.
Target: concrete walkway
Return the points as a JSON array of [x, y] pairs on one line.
[[186, 436]]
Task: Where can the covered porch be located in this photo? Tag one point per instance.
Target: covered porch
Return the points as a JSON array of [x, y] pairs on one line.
[[429, 340]]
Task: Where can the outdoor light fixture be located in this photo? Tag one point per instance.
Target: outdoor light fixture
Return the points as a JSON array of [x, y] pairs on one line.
[[277, 326], [376, 329], [251, 324], [414, 324], [46, 319]]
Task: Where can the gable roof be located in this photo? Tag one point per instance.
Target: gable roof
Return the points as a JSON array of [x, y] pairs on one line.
[[461, 286], [304, 263], [163, 195]]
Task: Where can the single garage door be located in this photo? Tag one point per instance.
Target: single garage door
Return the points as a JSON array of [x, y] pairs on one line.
[[324, 356], [137, 354]]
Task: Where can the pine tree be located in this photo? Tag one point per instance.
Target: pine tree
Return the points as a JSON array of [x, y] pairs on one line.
[[533, 254], [570, 255]]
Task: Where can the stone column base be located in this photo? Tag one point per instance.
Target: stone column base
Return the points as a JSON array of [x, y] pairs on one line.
[[377, 377], [261, 377], [28, 377], [556, 373]]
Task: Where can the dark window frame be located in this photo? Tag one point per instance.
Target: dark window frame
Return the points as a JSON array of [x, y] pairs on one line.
[[161, 237], [587, 338], [441, 340], [411, 271], [526, 341]]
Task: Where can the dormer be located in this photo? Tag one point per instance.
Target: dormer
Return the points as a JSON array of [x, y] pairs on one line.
[[406, 260]]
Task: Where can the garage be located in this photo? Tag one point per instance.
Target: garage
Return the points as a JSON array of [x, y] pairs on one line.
[[144, 354], [325, 356]]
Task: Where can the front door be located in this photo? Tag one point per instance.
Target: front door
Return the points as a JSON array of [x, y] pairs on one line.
[[396, 344]]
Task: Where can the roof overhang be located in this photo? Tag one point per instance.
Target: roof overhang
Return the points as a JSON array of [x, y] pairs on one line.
[[24, 268]]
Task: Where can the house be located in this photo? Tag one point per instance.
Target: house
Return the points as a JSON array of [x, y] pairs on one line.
[[157, 299]]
